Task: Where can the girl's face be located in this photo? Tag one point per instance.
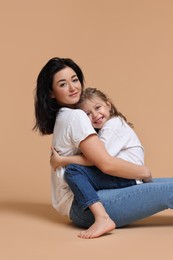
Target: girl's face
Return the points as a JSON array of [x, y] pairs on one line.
[[66, 87], [97, 110]]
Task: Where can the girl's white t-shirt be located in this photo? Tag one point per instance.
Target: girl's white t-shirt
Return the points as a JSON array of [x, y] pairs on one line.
[[121, 141], [71, 127]]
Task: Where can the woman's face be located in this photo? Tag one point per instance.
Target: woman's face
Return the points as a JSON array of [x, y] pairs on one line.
[[66, 87]]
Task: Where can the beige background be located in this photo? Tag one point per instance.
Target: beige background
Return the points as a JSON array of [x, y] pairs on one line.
[[124, 48]]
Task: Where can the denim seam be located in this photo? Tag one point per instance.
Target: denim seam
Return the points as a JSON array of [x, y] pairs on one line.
[[91, 202], [79, 216], [149, 189], [88, 203]]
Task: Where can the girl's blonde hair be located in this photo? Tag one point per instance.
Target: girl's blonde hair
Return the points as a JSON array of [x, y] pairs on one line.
[[90, 93]]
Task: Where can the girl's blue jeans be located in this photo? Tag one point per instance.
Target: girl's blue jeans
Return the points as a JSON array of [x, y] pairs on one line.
[[129, 204], [86, 181]]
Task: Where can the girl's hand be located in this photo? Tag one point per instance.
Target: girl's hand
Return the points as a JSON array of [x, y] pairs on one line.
[[55, 159], [61, 161], [149, 179]]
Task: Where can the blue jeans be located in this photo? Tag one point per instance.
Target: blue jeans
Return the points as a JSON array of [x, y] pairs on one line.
[[85, 181], [130, 204]]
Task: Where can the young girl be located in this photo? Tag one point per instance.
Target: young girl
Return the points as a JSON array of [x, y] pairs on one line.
[[59, 87], [119, 139]]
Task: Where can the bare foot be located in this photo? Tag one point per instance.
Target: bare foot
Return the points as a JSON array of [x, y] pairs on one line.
[[101, 226]]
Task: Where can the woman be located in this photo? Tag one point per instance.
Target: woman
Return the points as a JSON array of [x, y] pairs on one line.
[[59, 86], [120, 141]]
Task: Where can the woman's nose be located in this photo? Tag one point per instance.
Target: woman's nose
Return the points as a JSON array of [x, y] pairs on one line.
[[71, 87]]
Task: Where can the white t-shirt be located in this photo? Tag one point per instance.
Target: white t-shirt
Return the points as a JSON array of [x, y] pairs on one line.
[[121, 141], [71, 127]]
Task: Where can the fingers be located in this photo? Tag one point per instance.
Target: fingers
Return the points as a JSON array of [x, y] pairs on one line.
[[54, 156], [53, 149]]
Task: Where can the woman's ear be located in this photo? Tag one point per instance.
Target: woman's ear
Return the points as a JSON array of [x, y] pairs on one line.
[[52, 94]]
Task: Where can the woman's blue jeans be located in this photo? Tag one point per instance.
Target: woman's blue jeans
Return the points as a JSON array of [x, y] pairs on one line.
[[129, 204], [86, 181]]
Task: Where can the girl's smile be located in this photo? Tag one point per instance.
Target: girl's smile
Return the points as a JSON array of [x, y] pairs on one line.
[[97, 110]]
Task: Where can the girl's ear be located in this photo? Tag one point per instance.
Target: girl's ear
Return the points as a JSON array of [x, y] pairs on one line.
[[109, 104]]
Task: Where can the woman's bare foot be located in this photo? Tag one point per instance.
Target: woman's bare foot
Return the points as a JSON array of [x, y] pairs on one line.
[[102, 225]]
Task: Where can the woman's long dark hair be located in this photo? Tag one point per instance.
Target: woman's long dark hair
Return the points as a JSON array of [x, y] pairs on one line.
[[46, 107]]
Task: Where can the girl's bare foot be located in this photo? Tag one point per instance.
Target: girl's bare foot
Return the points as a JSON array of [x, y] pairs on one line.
[[101, 226]]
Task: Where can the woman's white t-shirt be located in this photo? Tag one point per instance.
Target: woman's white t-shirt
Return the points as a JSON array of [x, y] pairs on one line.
[[71, 127]]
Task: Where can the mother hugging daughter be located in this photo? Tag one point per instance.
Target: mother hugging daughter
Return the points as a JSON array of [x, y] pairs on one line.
[[107, 185]]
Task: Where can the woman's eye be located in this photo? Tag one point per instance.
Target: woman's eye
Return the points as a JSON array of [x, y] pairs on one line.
[[62, 84], [75, 80]]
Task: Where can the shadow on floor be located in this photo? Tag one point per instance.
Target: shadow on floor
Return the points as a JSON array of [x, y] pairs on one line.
[[46, 212], [33, 209], [154, 221]]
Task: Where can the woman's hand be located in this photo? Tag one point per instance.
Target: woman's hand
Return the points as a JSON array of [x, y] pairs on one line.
[[55, 159]]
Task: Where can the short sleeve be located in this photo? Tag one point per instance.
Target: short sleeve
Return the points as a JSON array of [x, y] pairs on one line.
[[80, 127], [114, 136], [113, 143]]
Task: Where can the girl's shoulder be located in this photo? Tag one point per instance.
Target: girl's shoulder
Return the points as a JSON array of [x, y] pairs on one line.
[[115, 121], [116, 124]]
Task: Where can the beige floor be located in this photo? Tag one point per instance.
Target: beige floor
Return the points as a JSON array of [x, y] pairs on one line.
[[33, 230]]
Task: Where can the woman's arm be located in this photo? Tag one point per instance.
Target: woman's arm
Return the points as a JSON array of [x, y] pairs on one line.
[[59, 161], [97, 155], [94, 150]]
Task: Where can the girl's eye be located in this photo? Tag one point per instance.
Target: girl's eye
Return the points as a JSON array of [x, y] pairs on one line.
[[97, 108], [88, 114]]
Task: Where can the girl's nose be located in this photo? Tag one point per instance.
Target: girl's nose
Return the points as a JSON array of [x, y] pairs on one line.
[[94, 114]]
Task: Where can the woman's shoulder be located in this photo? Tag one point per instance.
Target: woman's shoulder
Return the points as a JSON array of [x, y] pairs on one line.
[[75, 119], [78, 113], [72, 113]]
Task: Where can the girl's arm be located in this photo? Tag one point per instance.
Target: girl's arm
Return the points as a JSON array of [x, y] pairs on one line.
[[94, 150], [59, 161]]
